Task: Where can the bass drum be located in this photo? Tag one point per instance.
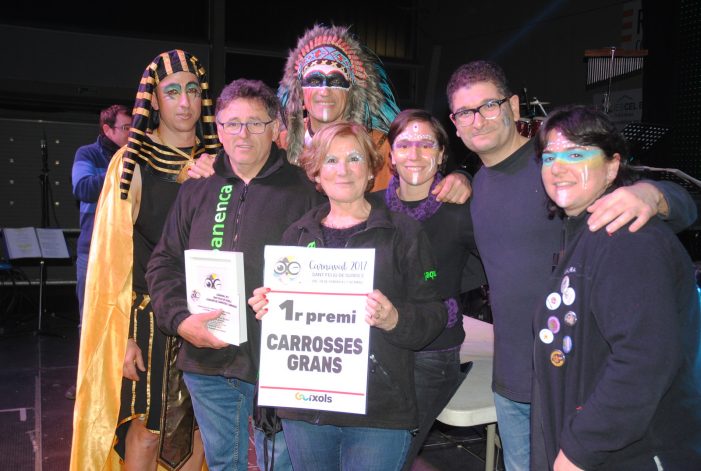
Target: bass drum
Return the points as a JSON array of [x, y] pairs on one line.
[[529, 127]]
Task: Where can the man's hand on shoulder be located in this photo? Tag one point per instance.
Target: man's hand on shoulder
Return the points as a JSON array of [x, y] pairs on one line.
[[454, 188], [203, 167], [638, 203]]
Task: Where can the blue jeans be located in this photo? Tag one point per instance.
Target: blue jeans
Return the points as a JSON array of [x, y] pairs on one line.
[[436, 378], [327, 447], [278, 454], [81, 269], [222, 409], [514, 420]]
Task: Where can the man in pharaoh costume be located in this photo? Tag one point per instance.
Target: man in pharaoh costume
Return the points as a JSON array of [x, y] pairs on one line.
[[332, 77], [131, 404]]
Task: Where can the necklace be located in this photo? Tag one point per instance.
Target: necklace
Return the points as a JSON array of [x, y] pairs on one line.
[[182, 165], [177, 150]]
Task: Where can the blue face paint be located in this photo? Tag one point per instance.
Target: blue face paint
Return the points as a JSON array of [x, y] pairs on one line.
[[570, 156], [173, 90]]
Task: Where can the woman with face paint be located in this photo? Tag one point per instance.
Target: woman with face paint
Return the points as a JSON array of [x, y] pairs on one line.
[[403, 310], [419, 147], [616, 356]]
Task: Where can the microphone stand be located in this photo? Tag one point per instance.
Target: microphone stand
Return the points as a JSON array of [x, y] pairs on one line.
[[46, 199]]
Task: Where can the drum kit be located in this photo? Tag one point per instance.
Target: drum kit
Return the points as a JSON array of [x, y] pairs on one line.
[[533, 118]]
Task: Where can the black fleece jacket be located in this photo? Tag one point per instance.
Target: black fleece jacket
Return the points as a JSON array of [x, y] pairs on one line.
[[253, 215], [404, 267]]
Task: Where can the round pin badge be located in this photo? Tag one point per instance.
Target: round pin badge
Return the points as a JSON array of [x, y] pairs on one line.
[[567, 344], [554, 324], [557, 358], [546, 336], [565, 283], [568, 296], [570, 318], [553, 301]]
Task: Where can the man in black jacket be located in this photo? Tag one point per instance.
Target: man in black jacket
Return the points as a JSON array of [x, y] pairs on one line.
[[264, 195]]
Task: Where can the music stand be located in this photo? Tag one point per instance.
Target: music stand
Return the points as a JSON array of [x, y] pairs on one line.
[[47, 209], [642, 138], [644, 135]]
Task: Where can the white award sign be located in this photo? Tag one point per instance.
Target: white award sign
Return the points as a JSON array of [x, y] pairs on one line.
[[315, 341], [215, 280]]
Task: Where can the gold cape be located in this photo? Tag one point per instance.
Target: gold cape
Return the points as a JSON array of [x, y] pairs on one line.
[[105, 324]]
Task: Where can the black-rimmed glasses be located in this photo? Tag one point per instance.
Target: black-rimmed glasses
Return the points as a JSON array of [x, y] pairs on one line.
[[489, 110], [254, 127], [123, 127]]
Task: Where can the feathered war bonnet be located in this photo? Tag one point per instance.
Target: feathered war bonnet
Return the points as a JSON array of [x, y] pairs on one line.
[[145, 118], [370, 103]]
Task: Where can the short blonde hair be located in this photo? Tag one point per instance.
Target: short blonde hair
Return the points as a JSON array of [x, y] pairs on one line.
[[313, 156]]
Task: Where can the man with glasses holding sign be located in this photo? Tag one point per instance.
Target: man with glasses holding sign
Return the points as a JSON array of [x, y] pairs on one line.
[[517, 242], [253, 196]]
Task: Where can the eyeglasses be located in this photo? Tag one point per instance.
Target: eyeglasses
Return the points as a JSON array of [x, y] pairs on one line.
[[489, 110], [254, 127], [123, 127]]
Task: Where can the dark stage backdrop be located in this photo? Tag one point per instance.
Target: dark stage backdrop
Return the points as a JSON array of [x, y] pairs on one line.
[[21, 171]]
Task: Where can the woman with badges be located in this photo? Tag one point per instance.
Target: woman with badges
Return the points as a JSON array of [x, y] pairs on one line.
[[616, 352]]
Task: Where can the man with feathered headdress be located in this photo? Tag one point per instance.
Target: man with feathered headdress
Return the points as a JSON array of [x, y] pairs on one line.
[[332, 77], [126, 364]]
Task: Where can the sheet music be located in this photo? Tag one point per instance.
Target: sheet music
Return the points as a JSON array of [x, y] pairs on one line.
[[21, 242], [52, 243], [30, 242]]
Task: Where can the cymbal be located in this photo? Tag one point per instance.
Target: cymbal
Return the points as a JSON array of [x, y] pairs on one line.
[[538, 102]]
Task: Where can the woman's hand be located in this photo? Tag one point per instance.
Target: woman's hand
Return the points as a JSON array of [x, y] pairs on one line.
[[258, 301], [380, 312], [562, 463]]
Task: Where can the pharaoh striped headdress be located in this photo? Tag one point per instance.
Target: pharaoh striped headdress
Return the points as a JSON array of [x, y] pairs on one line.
[[145, 118], [370, 98]]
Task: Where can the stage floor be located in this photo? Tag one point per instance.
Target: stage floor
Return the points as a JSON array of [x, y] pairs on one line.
[[36, 418]]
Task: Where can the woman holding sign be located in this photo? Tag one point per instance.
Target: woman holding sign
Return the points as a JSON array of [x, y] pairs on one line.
[[404, 310]]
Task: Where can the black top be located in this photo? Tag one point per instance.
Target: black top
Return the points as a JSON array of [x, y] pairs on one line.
[[617, 379]]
